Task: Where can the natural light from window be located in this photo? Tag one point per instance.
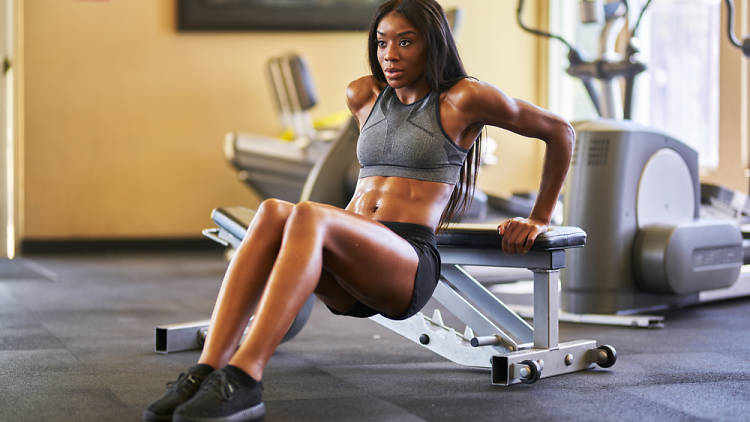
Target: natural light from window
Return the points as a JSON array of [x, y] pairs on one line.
[[678, 93]]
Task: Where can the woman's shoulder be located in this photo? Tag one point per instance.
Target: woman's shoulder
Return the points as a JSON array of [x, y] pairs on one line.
[[471, 95], [362, 91], [465, 91]]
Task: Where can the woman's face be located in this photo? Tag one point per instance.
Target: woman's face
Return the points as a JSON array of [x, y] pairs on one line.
[[401, 51]]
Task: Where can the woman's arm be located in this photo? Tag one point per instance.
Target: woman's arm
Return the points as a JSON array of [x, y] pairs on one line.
[[361, 95], [487, 105]]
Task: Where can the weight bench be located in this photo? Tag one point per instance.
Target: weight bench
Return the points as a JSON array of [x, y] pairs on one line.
[[495, 337]]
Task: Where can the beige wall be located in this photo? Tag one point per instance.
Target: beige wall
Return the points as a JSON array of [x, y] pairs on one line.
[[496, 50], [124, 116]]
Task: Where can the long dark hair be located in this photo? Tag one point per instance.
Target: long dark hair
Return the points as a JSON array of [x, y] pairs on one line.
[[443, 69]]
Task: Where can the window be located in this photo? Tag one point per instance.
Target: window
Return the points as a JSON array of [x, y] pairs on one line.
[[678, 93]]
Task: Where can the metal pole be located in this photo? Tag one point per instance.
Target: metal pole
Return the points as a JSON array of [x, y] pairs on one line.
[[546, 308]]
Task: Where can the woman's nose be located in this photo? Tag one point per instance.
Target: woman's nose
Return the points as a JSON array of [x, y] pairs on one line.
[[390, 52]]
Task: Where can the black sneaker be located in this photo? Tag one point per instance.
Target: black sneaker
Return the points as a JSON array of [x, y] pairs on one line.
[[178, 392], [227, 395]]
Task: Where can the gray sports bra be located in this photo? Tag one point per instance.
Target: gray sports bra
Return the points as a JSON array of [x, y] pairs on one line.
[[408, 140]]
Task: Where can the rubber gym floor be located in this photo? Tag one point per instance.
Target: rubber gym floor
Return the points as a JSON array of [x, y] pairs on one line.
[[77, 338]]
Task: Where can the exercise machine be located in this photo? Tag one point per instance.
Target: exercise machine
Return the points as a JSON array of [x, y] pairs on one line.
[[745, 44], [636, 192], [278, 167]]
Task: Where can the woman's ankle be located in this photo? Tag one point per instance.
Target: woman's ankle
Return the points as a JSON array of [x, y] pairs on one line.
[[253, 370]]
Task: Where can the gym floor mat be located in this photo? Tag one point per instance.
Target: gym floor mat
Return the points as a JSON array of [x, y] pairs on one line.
[[22, 269]]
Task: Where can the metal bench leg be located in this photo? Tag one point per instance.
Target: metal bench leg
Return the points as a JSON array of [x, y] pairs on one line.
[[546, 308], [488, 303]]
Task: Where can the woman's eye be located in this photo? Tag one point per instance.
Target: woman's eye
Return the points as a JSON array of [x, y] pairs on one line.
[[381, 43], [405, 43]]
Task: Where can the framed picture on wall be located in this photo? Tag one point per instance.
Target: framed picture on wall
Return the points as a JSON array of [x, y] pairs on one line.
[[275, 15]]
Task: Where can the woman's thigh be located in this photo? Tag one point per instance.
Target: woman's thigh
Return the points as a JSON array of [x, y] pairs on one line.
[[370, 262], [333, 295]]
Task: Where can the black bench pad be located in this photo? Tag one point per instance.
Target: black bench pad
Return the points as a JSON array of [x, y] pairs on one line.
[[485, 235], [480, 236]]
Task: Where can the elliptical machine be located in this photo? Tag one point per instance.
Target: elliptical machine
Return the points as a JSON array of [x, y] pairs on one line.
[[636, 193]]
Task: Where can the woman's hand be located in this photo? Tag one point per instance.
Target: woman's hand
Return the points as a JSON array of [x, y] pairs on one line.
[[519, 234]]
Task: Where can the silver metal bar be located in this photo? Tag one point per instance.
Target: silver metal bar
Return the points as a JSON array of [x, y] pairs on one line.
[[179, 337], [637, 321], [568, 357], [546, 308], [229, 237], [488, 303], [548, 260], [611, 100], [444, 341], [213, 234], [470, 316], [486, 341]]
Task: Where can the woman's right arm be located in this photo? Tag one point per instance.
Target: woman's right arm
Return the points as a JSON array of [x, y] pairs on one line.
[[361, 95]]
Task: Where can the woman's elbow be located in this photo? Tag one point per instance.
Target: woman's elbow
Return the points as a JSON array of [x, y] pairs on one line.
[[564, 136]]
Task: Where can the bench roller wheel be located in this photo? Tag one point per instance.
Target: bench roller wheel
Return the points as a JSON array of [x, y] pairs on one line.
[[607, 356], [535, 372]]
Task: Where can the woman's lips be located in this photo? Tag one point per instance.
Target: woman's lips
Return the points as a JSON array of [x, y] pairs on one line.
[[393, 73]]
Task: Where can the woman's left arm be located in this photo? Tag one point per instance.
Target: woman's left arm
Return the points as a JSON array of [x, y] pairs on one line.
[[492, 107]]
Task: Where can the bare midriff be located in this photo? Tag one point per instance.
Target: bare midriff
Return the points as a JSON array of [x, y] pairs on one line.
[[400, 199]]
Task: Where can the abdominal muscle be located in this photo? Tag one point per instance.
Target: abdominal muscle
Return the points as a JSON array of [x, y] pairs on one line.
[[400, 199]]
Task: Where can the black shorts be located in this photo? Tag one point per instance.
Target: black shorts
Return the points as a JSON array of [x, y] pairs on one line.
[[423, 240]]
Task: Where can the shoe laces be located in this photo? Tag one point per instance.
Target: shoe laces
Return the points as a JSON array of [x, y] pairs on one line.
[[220, 385], [184, 382]]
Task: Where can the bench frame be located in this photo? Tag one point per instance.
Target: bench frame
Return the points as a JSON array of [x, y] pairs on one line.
[[495, 336]]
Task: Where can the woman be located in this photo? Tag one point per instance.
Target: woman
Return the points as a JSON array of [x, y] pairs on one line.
[[420, 118]]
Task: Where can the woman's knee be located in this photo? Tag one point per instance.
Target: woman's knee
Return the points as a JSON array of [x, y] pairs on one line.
[[308, 212], [273, 211], [269, 221]]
